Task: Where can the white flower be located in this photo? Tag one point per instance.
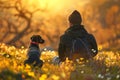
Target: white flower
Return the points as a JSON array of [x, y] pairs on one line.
[[82, 72], [109, 78], [118, 76], [100, 76]]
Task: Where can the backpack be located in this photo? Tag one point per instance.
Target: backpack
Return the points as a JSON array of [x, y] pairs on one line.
[[84, 47]]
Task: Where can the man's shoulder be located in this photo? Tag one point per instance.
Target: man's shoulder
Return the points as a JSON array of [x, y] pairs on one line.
[[65, 38]]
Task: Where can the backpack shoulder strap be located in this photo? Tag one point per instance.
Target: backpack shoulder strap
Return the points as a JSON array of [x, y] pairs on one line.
[[88, 50], [84, 45]]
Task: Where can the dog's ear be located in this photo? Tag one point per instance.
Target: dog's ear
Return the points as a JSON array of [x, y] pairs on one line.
[[41, 40], [32, 37]]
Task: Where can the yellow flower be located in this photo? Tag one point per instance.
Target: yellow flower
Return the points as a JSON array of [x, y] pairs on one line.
[[100, 47], [54, 77], [31, 74], [81, 59], [43, 77], [63, 74], [28, 66], [66, 68], [20, 67], [45, 69]]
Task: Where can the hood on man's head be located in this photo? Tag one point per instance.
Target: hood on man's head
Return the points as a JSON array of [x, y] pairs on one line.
[[75, 17]]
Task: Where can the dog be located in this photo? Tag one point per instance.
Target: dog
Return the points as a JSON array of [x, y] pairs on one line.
[[34, 52]]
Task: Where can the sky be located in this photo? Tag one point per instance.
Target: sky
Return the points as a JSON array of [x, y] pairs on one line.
[[66, 5], [56, 6]]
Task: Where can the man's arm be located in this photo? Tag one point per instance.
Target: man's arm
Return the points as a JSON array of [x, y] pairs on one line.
[[61, 50]]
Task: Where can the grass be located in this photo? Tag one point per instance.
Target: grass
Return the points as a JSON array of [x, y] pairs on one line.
[[105, 66]]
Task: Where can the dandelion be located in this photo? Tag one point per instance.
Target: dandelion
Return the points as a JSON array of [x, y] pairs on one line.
[[31, 74], [81, 59], [48, 60], [43, 77], [45, 49], [45, 69], [27, 66], [63, 74], [77, 60], [7, 56], [20, 67], [82, 72], [43, 60], [118, 76], [100, 47], [100, 76], [66, 68], [107, 69], [22, 47], [55, 77]]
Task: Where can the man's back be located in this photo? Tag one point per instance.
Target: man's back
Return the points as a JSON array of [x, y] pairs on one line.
[[75, 31]]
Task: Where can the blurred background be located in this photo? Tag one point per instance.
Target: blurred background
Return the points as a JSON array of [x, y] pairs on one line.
[[20, 19]]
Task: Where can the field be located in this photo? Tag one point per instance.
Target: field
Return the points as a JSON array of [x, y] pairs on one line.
[[105, 66]]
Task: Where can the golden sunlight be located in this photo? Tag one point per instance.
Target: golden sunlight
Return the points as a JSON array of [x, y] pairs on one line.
[[54, 6]]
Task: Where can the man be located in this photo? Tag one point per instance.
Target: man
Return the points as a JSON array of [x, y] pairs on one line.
[[76, 30]]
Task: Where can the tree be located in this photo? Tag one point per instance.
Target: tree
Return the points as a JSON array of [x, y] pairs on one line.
[[102, 18], [19, 22]]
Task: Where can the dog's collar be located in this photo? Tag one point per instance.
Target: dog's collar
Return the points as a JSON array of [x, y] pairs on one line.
[[34, 43]]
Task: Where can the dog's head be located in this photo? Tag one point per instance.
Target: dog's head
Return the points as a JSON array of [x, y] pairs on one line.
[[37, 38]]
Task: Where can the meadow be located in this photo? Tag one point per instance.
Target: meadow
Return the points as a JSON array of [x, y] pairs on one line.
[[105, 66]]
